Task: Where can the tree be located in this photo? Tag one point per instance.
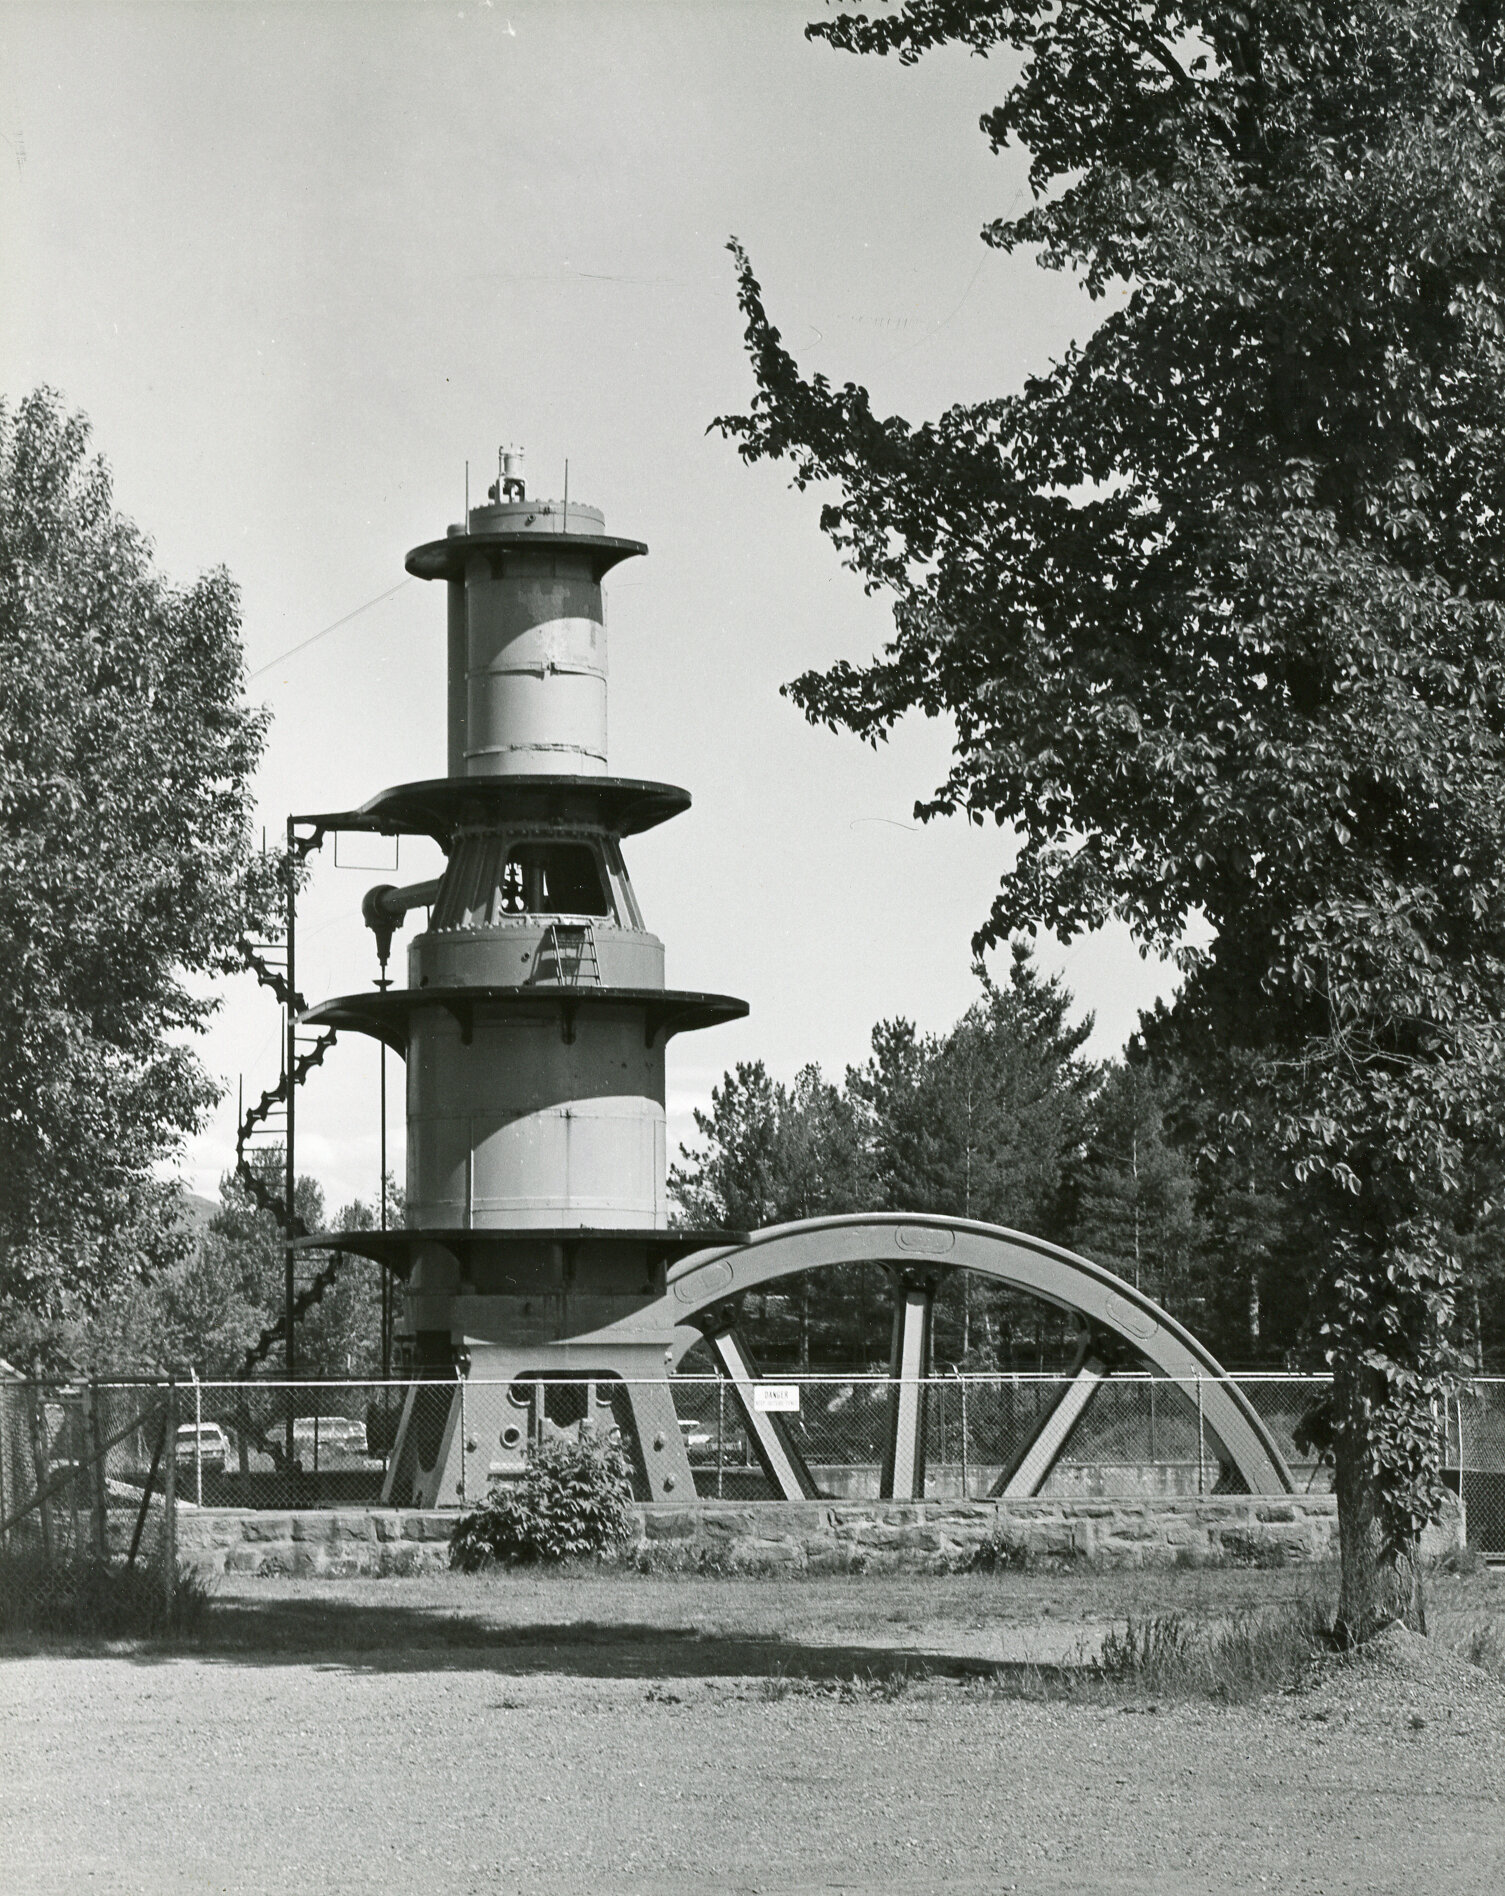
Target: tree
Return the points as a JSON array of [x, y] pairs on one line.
[[983, 1122], [1216, 603], [773, 1154], [1136, 1211], [126, 871]]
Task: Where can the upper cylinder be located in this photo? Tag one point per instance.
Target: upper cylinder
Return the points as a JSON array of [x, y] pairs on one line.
[[527, 643]]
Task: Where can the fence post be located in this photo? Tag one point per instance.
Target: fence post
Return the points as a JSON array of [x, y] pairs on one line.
[[98, 1498], [4, 1462], [1201, 1442], [198, 1440], [720, 1435], [1462, 1503], [962, 1383], [460, 1378], [36, 1416], [170, 1502]]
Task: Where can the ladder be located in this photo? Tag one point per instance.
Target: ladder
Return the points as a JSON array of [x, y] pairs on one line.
[[573, 947]]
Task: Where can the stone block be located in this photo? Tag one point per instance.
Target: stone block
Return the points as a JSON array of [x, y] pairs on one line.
[[427, 1526], [268, 1527], [722, 1524], [350, 1525], [677, 1524]]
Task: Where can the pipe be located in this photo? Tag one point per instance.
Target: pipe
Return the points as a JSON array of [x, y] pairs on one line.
[[384, 907]]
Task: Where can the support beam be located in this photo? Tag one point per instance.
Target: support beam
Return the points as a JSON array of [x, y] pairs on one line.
[[909, 1364], [666, 1460], [782, 1462], [1045, 1448]]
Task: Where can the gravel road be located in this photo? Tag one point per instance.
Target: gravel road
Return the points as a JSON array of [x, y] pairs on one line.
[[449, 1770]]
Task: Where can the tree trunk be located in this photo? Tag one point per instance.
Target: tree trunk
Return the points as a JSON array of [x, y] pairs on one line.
[[1381, 1581]]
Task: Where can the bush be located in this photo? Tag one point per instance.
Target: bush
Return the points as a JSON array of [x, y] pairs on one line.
[[1004, 1550], [81, 1597], [574, 1502]]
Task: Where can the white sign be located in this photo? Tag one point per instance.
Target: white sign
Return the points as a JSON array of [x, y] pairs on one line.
[[776, 1398]]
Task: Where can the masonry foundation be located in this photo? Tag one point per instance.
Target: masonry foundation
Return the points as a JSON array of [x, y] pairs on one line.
[[811, 1536]]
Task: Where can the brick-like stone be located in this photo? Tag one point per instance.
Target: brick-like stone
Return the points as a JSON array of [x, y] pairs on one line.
[[677, 1524]]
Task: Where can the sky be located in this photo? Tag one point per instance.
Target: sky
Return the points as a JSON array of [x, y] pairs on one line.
[[299, 263]]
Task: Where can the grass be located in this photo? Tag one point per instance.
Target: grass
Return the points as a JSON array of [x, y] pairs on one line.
[[1066, 1631], [79, 1597], [1231, 1662]]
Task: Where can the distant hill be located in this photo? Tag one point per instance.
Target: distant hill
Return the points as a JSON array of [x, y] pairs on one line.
[[199, 1210]]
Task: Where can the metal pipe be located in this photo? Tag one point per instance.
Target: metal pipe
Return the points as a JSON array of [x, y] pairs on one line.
[[290, 1181], [384, 908]]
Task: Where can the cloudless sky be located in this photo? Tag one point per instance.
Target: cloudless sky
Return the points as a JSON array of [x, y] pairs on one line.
[[299, 262]]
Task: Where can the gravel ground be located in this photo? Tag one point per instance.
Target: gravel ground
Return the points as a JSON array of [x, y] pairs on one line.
[[507, 1754]]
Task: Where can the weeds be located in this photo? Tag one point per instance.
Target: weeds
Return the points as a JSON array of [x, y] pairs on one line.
[[1232, 1660], [863, 1688], [1483, 1645], [93, 1599]]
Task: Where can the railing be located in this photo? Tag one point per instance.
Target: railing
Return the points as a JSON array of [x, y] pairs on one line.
[[91, 1465]]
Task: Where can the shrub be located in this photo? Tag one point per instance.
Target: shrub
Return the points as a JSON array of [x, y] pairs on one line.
[[573, 1502], [80, 1597], [1003, 1551]]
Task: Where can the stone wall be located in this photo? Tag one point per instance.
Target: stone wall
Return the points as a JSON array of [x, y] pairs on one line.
[[871, 1536]]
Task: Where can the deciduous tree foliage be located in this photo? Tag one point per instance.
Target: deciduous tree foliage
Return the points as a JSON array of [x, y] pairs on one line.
[[1216, 600], [126, 756]]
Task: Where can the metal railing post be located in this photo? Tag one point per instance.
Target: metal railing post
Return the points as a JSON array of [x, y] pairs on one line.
[[720, 1437], [1462, 1503], [1201, 1442]]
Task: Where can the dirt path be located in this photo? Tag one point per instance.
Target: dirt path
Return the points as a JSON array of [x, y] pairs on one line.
[[561, 1765]]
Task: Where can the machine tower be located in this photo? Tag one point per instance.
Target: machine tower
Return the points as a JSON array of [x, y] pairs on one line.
[[541, 1284], [533, 1022]]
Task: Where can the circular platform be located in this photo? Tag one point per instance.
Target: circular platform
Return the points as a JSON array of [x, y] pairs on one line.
[[440, 806], [388, 1017]]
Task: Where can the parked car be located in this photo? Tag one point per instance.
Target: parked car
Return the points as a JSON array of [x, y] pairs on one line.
[[338, 1434], [700, 1444], [203, 1445]]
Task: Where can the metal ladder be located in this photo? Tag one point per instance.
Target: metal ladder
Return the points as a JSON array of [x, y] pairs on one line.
[[580, 938]]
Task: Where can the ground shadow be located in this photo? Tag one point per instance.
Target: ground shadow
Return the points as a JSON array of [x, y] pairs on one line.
[[363, 1636]]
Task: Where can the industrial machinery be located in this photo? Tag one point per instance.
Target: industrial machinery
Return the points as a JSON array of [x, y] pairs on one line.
[[541, 1280]]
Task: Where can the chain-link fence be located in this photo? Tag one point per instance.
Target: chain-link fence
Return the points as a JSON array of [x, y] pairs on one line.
[[1137, 1436], [98, 1468], [1475, 1460], [88, 1515]]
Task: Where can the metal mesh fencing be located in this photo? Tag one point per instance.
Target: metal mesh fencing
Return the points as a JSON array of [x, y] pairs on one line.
[[89, 1465], [1137, 1437], [88, 1514], [1475, 1460]]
